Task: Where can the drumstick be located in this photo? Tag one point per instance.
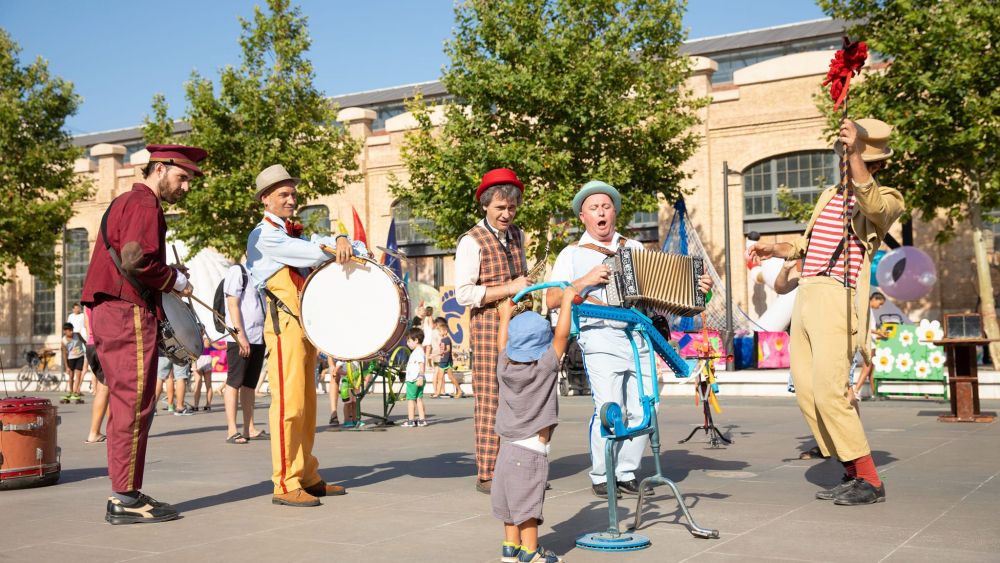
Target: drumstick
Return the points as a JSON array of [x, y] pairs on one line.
[[333, 251]]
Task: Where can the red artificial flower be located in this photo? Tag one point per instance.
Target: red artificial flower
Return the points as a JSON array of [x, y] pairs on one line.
[[845, 64]]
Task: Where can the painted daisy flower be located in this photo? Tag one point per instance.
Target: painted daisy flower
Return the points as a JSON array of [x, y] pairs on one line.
[[906, 338], [921, 369], [883, 360], [928, 331], [936, 358], [904, 362]]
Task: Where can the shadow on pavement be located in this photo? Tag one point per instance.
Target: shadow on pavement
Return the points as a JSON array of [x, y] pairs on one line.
[[184, 431], [828, 473], [81, 474]]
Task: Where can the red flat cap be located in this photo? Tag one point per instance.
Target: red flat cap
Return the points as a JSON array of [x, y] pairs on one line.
[[178, 155], [498, 176]]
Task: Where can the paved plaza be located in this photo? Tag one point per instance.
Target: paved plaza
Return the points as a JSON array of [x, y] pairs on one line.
[[412, 498]]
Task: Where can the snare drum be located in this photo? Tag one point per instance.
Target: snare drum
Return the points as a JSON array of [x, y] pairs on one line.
[[354, 311], [180, 334], [29, 456]]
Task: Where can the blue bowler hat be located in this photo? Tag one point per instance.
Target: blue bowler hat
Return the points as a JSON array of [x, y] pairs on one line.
[[529, 335], [596, 187]]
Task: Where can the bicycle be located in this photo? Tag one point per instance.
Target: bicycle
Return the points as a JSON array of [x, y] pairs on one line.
[[37, 370]]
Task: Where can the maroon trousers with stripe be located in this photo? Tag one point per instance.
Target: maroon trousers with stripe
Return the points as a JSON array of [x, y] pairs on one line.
[[125, 336]]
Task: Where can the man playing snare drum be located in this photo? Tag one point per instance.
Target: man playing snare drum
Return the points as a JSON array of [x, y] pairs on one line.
[[127, 274], [276, 258]]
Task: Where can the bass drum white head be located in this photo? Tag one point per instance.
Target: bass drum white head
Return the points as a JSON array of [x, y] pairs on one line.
[[353, 311]]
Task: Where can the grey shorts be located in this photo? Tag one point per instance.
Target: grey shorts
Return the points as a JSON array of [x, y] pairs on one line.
[[163, 367], [518, 489]]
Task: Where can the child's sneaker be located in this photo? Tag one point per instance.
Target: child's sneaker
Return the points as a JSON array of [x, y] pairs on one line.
[[421, 422], [540, 555], [408, 424], [78, 398], [509, 552], [170, 407], [348, 424]]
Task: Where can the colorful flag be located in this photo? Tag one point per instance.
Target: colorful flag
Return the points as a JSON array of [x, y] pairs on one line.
[[359, 229], [341, 228], [390, 242]]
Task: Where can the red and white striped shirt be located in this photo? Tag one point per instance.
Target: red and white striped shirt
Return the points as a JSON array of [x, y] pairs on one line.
[[826, 235]]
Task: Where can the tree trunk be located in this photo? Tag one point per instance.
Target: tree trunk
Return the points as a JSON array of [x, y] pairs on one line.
[[985, 282]]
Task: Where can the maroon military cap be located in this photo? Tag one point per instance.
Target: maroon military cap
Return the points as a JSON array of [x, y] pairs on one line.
[[178, 155], [498, 176]]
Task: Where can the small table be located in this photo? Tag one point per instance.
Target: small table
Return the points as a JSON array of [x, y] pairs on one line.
[[963, 379]]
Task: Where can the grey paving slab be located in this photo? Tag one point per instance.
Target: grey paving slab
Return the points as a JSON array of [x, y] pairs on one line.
[[412, 498]]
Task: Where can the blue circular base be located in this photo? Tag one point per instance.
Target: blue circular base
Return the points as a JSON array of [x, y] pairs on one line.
[[605, 541]]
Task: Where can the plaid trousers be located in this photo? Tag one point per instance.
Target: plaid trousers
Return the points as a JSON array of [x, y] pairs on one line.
[[485, 324]]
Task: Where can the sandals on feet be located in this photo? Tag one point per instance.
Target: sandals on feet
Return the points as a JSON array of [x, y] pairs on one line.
[[237, 438], [262, 435], [100, 438]]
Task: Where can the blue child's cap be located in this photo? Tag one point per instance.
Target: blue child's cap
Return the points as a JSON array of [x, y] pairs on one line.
[[529, 335]]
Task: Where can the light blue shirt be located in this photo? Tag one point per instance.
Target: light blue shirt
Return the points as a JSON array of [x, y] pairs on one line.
[[251, 304], [269, 249]]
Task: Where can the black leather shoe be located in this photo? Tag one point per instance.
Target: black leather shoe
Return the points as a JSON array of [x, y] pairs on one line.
[[601, 491], [846, 482], [631, 487], [861, 492], [144, 510]]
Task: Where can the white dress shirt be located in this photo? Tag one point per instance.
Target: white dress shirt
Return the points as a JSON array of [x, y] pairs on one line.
[[467, 262]]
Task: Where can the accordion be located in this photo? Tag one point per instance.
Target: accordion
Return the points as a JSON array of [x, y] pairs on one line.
[[662, 281]]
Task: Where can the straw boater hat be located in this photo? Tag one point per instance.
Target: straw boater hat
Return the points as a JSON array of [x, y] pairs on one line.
[[271, 176], [875, 134]]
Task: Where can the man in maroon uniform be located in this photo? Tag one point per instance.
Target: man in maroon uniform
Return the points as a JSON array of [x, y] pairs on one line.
[[128, 272]]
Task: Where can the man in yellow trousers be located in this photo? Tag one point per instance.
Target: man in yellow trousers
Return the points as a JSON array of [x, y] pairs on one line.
[[823, 336], [278, 259]]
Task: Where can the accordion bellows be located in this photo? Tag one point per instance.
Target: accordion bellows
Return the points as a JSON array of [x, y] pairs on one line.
[[662, 281]]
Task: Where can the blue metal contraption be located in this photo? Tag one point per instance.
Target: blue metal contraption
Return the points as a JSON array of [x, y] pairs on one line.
[[614, 424]]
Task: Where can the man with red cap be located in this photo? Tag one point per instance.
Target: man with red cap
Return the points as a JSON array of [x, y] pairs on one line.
[[489, 266], [128, 273]]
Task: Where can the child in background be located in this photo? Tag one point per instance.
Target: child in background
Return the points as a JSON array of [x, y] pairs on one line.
[[415, 379], [527, 414], [74, 348], [445, 361]]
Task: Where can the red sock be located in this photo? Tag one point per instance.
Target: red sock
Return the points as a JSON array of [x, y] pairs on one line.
[[850, 469], [865, 468]]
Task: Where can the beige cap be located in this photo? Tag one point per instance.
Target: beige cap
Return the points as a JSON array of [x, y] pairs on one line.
[[270, 176], [875, 134]]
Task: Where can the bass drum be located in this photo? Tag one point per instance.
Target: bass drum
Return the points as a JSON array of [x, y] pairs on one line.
[[354, 311], [181, 332], [29, 456]]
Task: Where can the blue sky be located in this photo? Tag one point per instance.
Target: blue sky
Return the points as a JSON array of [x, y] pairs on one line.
[[119, 53]]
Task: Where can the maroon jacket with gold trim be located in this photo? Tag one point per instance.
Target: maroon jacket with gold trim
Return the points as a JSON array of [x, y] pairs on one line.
[[137, 231]]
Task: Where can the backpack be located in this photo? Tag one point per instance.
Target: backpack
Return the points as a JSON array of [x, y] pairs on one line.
[[219, 302]]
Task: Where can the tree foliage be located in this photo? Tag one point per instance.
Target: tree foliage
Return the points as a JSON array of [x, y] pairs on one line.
[[267, 111], [561, 91], [940, 93], [36, 163]]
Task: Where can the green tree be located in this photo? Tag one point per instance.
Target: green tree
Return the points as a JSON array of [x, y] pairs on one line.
[[267, 112], [940, 92], [36, 163], [561, 91]]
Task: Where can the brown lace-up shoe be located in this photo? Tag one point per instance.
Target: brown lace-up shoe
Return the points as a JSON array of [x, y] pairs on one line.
[[322, 489], [298, 497]]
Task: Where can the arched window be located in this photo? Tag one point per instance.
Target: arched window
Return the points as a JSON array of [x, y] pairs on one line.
[[803, 173], [315, 219], [408, 227], [76, 258]]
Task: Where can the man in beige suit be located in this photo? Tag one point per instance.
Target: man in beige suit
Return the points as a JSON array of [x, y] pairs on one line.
[[821, 352]]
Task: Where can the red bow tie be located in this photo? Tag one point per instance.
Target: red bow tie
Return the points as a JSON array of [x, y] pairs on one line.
[[293, 229]]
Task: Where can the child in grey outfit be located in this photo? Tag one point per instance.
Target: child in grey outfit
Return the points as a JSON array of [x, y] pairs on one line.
[[528, 377]]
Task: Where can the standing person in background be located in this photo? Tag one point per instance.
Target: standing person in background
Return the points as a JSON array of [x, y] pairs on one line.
[[79, 322], [415, 380], [74, 350], [445, 363], [244, 353], [100, 407], [489, 266], [334, 389], [430, 335]]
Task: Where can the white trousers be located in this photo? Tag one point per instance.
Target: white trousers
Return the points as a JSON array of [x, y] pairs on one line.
[[610, 365]]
